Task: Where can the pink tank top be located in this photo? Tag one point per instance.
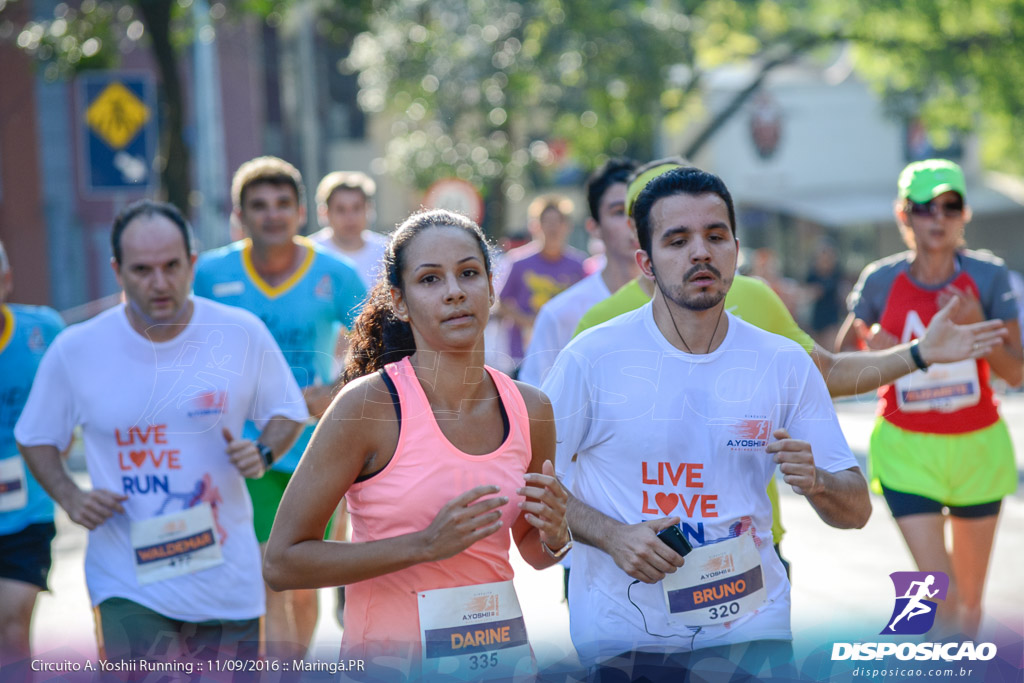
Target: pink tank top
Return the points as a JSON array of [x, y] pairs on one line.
[[426, 472]]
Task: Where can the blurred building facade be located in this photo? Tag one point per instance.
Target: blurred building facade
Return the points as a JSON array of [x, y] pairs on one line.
[[814, 155], [271, 102]]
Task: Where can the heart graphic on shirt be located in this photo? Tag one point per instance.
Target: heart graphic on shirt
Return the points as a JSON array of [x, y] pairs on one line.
[[666, 501], [139, 457]]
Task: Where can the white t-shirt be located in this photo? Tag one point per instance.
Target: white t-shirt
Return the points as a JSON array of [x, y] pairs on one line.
[[151, 417], [555, 323], [659, 433], [367, 260]]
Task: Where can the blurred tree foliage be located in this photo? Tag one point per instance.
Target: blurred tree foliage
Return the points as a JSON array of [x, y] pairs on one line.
[[498, 91], [959, 64], [507, 94], [95, 34]]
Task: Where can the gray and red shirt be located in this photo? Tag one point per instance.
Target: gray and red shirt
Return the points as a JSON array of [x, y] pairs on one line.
[[887, 294]]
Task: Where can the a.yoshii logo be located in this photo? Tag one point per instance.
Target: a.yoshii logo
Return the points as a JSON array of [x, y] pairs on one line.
[[750, 434]]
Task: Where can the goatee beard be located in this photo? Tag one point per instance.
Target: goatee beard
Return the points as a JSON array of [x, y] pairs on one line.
[[700, 302]]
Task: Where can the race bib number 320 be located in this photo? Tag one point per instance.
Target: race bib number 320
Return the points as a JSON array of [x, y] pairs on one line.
[[718, 583]]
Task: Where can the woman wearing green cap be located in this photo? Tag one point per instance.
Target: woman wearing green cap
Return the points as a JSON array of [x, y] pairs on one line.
[[939, 450]]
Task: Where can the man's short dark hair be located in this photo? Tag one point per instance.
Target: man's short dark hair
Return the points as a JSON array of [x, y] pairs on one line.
[[266, 170], [148, 207], [692, 181], [615, 170]]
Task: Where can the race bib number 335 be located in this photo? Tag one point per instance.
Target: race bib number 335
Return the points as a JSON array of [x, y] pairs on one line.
[[474, 632]]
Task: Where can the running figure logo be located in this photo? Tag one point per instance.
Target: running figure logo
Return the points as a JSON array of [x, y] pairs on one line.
[[916, 592]]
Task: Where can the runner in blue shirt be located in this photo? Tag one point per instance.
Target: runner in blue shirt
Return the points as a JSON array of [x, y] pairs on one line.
[[302, 294], [26, 512]]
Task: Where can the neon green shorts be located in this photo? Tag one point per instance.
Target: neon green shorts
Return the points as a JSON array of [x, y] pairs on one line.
[[266, 493], [954, 469]]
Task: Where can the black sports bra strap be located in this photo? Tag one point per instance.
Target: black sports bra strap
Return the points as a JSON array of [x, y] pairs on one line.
[[393, 390]]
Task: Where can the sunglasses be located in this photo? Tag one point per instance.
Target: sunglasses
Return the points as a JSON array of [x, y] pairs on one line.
[[949, 209]]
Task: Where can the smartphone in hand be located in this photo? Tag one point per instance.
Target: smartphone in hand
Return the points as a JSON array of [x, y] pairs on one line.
[[673, 538]]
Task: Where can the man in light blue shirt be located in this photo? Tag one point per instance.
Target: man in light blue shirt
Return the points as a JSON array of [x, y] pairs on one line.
[[26, 512]]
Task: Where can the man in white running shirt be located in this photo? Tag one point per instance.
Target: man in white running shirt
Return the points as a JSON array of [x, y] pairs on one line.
[[676, 415], [161, 387]]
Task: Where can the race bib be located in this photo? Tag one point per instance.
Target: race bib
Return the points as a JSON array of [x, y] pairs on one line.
[[946, 387], [718, 583], [13, 487], [474, 632], [175, 544]]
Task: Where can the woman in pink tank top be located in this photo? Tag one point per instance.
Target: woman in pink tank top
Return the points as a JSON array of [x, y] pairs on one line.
[[439, 458]]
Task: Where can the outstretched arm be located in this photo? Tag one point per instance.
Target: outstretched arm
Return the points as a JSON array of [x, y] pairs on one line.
[[944, 341]]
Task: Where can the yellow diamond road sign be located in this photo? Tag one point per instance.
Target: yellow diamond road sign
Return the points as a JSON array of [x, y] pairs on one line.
[[117, 115]]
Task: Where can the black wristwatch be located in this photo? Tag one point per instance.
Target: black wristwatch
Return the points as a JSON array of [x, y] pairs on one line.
[[915, 354], [267, 453]]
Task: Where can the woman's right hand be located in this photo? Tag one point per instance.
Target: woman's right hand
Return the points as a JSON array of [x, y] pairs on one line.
[[462, 522]]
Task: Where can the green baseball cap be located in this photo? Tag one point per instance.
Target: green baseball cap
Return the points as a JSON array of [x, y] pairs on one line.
[[923, 181]]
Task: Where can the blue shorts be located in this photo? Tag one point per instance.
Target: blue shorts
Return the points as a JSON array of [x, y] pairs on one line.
[[903, 504], [25, 555]]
